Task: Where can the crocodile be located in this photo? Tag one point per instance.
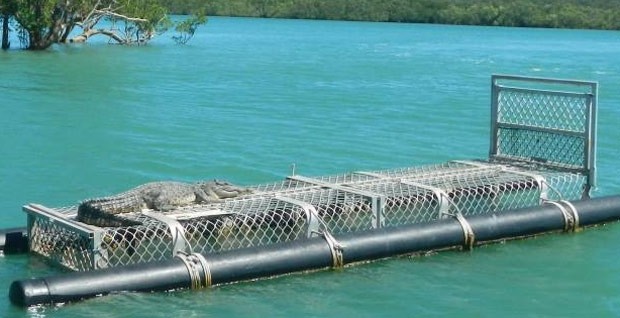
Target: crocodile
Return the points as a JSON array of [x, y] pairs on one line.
[[159, 196]]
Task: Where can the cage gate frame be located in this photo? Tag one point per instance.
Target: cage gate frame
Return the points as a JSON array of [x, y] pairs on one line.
[[572, 98]]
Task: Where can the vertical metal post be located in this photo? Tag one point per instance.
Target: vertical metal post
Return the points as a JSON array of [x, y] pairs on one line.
[[378, 207], [95, 250], [29, 226], [494, 117], [590, 140]]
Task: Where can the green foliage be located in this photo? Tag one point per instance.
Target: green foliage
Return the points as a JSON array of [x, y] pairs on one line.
[[41, 21], [45, 22], [591, 14], [34, 14], [186, 28], [154, 14]]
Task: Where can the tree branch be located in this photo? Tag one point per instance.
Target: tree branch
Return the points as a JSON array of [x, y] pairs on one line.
[[120, 16], [92, 32]]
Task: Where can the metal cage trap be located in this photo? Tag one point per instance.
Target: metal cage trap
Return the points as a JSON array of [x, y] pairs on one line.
[[542, 147]]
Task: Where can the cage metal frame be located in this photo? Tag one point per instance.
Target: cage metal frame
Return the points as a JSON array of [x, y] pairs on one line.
[[311, 206]]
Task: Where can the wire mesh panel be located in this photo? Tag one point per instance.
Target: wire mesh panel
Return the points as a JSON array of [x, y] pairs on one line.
[[565, 186], [341, 211], [60, 245], [404, 203], [441, 169], [484, 191], [237, 224], [151, 241], [58, 240], [553, 124], [557, 185], [246, 223]]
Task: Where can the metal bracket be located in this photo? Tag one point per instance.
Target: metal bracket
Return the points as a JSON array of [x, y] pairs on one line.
[[179, 242], [377, 200], [442, 197], [311, 215], [314, 222], [570, 207], [540, 181]]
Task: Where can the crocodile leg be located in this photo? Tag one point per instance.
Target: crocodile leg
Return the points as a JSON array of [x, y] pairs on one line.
[[205, 196], [225, 190]]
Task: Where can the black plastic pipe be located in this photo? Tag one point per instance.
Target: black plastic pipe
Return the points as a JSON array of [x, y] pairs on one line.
[[156, 276], [600, 210], [14, 240], [270, 260], [225, 267], [310, 254]]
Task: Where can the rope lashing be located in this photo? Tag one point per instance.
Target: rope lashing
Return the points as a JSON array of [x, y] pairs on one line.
[[335, 248], [196, 265], [468, 232], [571, 217]]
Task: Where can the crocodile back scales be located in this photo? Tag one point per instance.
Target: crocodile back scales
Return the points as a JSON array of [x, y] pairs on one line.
[[154, 195]]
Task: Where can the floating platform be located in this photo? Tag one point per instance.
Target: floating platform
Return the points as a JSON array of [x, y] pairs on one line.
[[542, 156], [299, 208]]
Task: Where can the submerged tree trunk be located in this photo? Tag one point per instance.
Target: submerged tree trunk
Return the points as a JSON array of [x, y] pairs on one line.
[[5, 32], [42, 39]]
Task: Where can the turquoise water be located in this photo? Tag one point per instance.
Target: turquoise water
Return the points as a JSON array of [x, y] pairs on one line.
[[249, 97]]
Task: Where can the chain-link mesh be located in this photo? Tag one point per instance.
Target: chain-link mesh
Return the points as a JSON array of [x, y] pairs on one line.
[[300, 207], [404, 203], [246, 223], [341, 211], [516, 144], [557, 110], [151, 241]]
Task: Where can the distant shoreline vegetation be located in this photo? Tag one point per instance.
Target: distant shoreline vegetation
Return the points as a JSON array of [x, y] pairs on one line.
[[573, 14]]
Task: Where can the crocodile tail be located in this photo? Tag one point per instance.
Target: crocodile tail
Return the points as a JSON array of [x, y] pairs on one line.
[[121, 203], [94, 214]]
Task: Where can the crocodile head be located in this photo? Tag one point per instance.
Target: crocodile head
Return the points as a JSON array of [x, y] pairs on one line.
[[224, 189]]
